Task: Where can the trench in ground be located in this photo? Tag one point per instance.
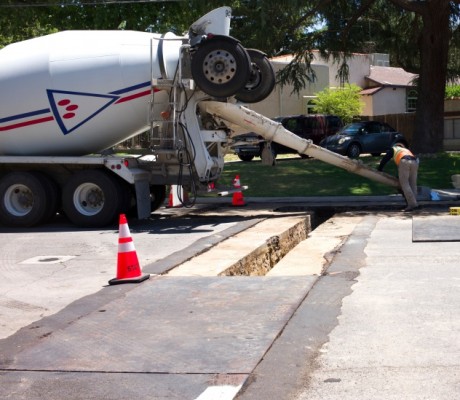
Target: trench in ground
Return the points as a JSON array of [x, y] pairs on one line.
[[261, 260]]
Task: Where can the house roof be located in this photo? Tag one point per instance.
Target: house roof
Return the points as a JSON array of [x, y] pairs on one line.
[[390, 76], [371, 91], [316, 53], [283, 58]]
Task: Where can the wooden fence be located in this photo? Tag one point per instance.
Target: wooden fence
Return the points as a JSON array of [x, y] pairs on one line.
[[403, 123]]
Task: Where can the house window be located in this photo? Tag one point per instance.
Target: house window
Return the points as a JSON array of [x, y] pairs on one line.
[[412, 96]]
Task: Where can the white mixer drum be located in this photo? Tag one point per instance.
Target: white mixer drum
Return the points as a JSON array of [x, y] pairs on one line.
[[79, 92]]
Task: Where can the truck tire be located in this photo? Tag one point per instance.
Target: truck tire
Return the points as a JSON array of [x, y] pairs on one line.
[[245, 157], [53, 202], [25, 199], [221, 67], [92, 198], [261, 80], [157, 196]]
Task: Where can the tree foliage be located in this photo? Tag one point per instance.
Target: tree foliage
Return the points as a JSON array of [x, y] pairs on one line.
[[452, 91], [344, 102], [23, 22]]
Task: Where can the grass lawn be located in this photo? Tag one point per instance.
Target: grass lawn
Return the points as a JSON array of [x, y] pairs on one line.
[[293, 176]]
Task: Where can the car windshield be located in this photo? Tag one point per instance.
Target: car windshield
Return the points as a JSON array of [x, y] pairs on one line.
[[351, 129]]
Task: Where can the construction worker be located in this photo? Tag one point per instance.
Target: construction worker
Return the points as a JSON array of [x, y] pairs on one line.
[[407, 165]]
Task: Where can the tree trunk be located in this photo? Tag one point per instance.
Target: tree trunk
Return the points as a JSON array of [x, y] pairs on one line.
[[434, 48]]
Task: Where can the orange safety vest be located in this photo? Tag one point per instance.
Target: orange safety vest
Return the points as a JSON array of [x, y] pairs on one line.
[[400, 152]]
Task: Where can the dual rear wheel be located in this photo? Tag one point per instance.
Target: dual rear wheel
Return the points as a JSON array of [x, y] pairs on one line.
[[90, 198], [27, 199]]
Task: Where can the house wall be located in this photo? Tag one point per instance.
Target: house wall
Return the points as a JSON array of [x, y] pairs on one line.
[[359, 67], [368, 108], [385, 101], [452, 124], [283, 102], [451, 133]]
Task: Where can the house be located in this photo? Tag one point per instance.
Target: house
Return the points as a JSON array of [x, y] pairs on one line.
[[387, 93], [385, 89], [282, 101], [388, 90]]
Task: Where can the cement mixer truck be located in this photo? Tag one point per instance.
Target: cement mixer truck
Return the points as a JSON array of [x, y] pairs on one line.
[[67, 98]]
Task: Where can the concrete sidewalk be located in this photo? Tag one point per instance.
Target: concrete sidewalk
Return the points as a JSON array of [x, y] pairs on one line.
[[383, 321], [398, 333]]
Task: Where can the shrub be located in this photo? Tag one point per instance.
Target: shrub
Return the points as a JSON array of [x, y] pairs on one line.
[[344, 102], [452, 91]]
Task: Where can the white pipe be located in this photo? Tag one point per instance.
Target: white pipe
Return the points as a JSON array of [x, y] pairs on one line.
[[274, 131], [231, 191]]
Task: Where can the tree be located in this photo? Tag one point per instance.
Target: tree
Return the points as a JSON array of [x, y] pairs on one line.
[[267, 24], [433, 45], [418, 35], [344, 102], [19, 23], [20, 20]]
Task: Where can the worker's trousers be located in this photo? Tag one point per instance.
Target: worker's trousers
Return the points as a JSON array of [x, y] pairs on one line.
[[407, 172]]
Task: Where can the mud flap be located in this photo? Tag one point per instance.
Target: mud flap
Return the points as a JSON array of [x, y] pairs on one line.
[[143, 198]]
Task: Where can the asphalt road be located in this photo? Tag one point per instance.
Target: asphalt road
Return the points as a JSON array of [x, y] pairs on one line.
[[44, 269], [374, 315]]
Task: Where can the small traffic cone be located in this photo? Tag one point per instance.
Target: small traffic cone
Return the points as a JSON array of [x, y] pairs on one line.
[[177, 196], [171, 197], [128, 269], [237, 199]]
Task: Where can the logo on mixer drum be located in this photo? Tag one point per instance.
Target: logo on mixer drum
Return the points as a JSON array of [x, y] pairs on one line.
[[73, 109]]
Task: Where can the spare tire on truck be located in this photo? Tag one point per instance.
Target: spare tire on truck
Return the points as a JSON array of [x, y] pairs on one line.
[[261, 81], [221, 66]]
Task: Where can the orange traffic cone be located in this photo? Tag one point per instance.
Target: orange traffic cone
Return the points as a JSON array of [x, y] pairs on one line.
[[238, 199], [128, 269], [177, 196]]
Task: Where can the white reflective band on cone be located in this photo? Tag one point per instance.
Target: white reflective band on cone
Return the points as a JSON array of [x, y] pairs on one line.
[[126, 247], [124, 231]]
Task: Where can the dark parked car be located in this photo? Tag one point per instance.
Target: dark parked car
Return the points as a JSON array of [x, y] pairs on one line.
[[363, 137], [313, 127]]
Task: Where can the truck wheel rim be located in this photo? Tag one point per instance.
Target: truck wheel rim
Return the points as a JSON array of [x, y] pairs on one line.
[[18, 200], [88, 199], [219, 67], [255, 78]]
